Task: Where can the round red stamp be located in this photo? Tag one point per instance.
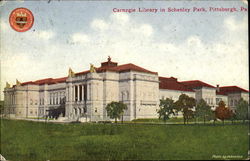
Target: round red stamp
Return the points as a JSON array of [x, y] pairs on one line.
[[21, 19]]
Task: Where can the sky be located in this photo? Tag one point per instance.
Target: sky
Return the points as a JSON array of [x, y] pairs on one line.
[[207, 46]]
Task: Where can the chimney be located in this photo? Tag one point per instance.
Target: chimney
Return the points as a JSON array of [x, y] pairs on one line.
[[217, 88]]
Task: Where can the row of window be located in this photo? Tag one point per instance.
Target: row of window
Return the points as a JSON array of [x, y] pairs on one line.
[[57, 98], [171, 97], [31, 112], [233, 102], [209, 101], [35, 102], [12, 99], [56, 101], [53, 101]]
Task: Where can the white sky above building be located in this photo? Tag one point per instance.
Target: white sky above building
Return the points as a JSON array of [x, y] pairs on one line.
[[209, 46]]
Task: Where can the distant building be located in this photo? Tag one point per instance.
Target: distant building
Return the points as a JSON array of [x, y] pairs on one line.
[[231, 94], [87, 93], [203, 91]]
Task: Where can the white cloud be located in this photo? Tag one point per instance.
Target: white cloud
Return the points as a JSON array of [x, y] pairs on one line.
[[79, 38], [99, 25], [45, 35], [146, 30], [14, 64], [233, 25], [120, 18], [194, 42]]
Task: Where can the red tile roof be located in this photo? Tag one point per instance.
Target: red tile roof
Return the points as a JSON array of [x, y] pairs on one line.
[[196, 84], [82, 73], [25, 83], [119, 68], [46, 81], [172, 84], [132, 67], [220, 93], [230, 89], [43, 81], [58, 80]]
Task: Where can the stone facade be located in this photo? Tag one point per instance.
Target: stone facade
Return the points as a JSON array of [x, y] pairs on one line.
[[86, 94]]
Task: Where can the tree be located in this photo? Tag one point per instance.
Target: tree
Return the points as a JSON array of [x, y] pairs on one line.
[[242, 110], [166, 109], [185, 104], [115, 110], [222, 112], [1, 107], [203, 110]]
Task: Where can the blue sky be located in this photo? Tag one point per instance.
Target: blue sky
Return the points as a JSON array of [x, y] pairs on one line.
[[210, 46]]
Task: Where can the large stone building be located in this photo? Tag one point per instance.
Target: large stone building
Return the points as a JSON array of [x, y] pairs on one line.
[[87, 93]]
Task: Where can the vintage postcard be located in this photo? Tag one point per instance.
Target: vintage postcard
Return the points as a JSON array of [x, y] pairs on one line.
[[124, 80]]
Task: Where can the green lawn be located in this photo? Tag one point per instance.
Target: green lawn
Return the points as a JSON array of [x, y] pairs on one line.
[[175, 120], [27, 140]]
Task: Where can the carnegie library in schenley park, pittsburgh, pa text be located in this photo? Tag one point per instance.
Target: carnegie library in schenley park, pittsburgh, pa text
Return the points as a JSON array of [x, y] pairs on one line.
[[85, 95]]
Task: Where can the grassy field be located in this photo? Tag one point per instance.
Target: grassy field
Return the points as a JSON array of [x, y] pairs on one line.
[[175, 120], [26, 140]]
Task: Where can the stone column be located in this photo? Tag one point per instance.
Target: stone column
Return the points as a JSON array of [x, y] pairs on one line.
[[46, 99], [53, 98], [74, 97], [12, 98], [88, 89], [82, 92], [67, 94], [78, 93], [70, 92], [70, 100], [131, 99], [59, 97]]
